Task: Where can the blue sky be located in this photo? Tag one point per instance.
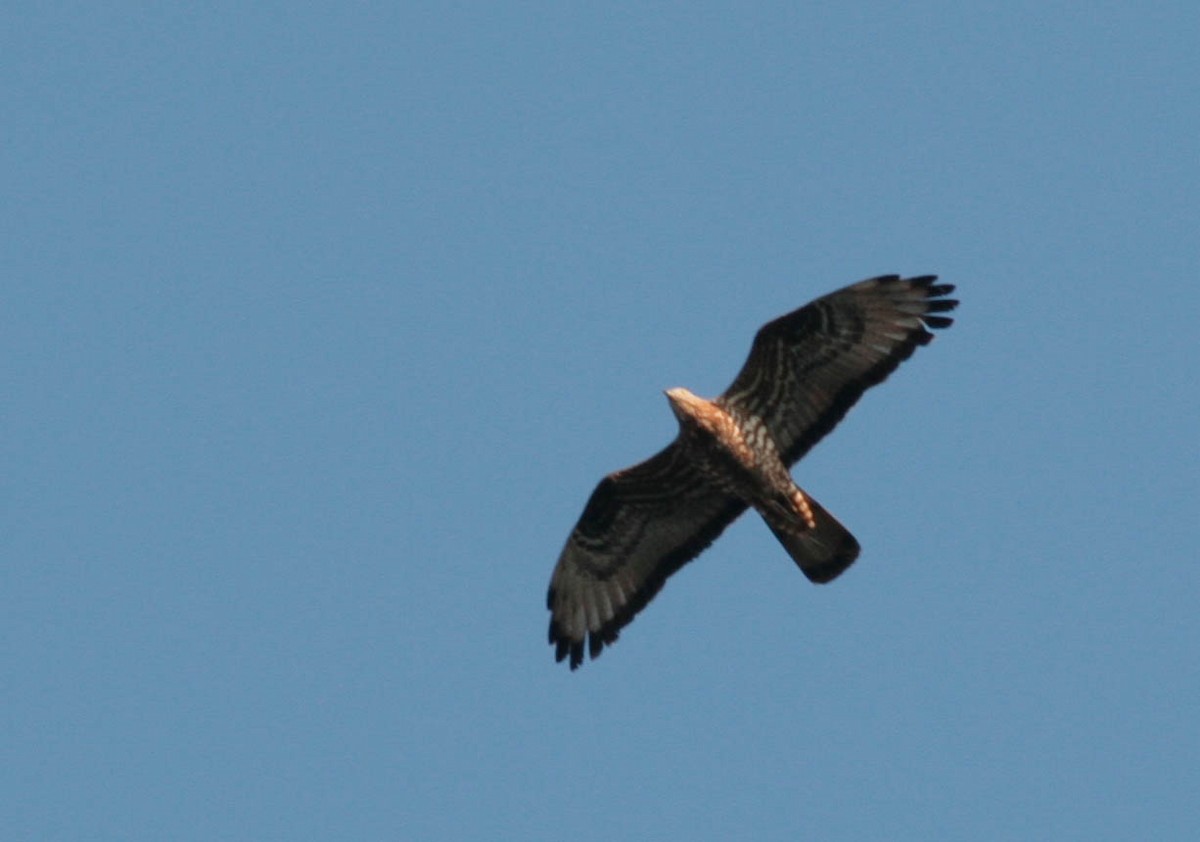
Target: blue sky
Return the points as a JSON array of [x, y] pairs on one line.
[[321, 323]]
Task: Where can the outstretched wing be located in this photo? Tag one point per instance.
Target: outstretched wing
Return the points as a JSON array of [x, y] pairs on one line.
[[639, 526], [806, 369]]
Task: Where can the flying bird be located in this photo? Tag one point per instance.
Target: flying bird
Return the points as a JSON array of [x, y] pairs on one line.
[[805, 370]]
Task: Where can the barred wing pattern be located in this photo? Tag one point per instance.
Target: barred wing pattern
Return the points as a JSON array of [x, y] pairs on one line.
[[804, 372], [806, 369], [640, 525]]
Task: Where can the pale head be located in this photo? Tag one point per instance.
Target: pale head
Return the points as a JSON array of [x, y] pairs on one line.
[[684, 404]]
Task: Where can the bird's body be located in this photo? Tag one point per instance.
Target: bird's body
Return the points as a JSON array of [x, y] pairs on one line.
[[805, 370], [734, 452]]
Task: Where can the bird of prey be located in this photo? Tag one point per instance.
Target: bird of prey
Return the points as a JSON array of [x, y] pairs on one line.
[[805, 370]]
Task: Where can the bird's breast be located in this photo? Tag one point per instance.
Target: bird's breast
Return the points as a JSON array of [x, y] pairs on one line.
[[736, 455]]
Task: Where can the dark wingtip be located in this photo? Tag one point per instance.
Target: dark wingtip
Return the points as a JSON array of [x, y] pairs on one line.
[[936, 303], [564, 648]]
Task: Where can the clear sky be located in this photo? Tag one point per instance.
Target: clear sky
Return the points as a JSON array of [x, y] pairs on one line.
[[321, 321]]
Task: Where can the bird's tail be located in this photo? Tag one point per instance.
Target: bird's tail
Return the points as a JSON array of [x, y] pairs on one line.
[[819, 545]]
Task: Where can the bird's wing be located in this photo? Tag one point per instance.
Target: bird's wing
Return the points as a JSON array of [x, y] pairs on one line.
[[806, 369], [640, 525]]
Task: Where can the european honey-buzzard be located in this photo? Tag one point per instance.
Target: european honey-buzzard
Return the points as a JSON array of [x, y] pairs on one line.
[[804, 372]]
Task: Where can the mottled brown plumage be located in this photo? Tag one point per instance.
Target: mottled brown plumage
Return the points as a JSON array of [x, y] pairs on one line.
[[804, 372]]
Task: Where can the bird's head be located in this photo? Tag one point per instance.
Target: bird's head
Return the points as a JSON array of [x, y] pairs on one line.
[[686, 406]]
